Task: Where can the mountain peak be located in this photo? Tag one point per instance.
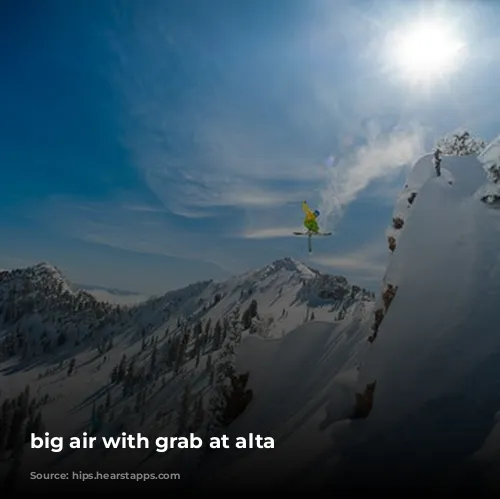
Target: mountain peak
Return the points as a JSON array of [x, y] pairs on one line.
[[46, 268], [292, 265]]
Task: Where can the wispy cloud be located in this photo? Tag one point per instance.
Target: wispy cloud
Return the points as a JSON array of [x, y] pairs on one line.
[[240, 153], [144, 231], [383, 155], [229, 166], [143, 208], [270, 233], [176, 210]]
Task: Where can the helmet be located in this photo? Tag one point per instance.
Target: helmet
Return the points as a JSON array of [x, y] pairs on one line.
[[316, 212]]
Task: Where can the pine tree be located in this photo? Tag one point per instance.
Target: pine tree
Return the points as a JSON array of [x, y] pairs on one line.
[[185, 406], [235, 326], [461, 144], [7, 415], [236, 398], [249, 314], [198, 330], [152, 364], [199, 414], [494, 174], [18, 418], [37, 426], [19, 441], [129, 377], [208, 326], [181, 352], [71, 366], [225, 329], [217, 338], [197, 350]]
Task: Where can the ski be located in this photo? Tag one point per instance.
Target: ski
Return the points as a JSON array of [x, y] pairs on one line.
[[310, 234]]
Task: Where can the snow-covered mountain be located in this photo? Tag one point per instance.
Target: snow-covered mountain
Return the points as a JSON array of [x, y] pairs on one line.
[[134, 362], [435, 357], [357, 392], [42, 313]]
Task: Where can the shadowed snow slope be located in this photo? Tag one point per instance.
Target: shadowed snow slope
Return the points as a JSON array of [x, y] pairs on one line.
[[436, 356], [305, 385], [435, 360]]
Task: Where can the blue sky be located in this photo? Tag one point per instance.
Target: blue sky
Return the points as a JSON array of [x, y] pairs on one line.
[[146, 145]]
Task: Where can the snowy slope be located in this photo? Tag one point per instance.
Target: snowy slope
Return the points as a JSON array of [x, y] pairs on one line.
[[287, 293], [444, 260], [436, 352], [306, 393], [69, 383]]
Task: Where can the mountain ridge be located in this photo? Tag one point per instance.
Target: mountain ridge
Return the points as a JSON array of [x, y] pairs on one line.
[[48, 301]]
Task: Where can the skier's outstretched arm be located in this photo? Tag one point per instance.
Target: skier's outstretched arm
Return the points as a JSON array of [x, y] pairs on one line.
[[306, 208]]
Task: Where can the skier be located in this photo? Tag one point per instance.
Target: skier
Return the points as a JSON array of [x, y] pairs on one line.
[[310, 221], [311, 224]]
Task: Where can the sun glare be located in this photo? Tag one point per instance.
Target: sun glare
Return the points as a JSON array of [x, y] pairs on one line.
[[426, 50]]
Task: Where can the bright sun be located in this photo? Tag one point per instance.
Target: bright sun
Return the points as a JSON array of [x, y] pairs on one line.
[[426, 50]]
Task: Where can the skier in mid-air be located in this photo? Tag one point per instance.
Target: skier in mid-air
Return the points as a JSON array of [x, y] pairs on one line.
[[311, 224], [310, 221]]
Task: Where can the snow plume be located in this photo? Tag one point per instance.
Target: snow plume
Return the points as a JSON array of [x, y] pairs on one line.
[[381, 156]]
